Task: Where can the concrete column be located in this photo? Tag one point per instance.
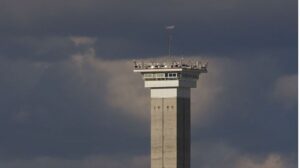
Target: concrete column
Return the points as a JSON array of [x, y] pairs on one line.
[[170, 128]]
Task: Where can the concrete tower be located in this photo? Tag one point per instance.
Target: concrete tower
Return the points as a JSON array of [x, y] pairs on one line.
[[170, 85]]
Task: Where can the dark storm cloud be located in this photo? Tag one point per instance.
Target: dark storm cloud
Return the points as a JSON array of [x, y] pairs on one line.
[[136, 27]]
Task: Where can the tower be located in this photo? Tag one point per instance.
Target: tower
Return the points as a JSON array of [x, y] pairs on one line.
[[170, 87]]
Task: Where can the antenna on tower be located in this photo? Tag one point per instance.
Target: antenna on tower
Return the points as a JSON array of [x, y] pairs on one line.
[[169, 31]]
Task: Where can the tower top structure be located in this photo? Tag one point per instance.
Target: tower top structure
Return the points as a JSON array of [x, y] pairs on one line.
[[170, 86], [175, 74]]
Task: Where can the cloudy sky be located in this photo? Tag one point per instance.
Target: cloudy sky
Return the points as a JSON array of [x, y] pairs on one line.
[[69, 98]]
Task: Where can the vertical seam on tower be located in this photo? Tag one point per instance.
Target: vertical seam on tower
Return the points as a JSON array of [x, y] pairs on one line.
[[163, 118], [183, 131]]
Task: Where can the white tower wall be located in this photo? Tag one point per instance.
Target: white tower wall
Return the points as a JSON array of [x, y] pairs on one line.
[[170, 132]]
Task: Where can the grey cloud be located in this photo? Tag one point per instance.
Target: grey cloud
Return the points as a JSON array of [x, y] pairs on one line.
[[50, 48], [223, 155], [286, 91], [216, 155], [273, 160], [124, 161]]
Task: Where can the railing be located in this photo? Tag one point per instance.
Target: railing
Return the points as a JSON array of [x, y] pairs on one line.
[[173, 65]]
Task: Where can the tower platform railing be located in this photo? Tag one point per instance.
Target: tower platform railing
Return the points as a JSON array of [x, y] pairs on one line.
[[190, 65]]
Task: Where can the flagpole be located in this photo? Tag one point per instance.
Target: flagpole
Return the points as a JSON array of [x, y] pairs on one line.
[[170, 38], [169, 30]]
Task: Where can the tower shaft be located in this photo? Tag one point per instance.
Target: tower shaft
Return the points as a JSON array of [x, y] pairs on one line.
[[170, 130], [170, 86]]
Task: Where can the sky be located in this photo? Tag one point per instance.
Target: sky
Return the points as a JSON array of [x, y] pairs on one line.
[[69, 98]]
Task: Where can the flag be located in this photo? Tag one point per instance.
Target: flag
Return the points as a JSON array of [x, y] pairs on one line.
[[170, 27]]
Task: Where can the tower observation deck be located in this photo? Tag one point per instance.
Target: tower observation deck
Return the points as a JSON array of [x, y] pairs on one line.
[[170, 85]]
